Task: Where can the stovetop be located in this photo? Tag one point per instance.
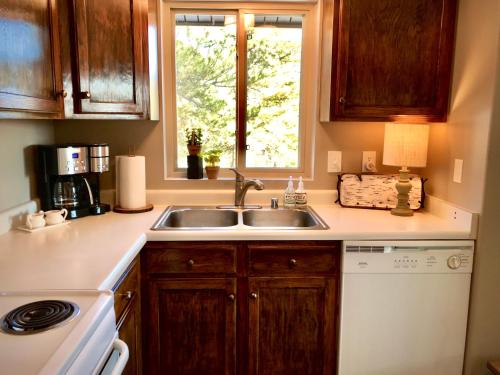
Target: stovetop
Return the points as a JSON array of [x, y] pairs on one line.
[[76, 315], [39, 316]]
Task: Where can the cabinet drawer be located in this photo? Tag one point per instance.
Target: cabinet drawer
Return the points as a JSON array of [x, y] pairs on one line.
[[126, 289], [271, 260], [204, 258]]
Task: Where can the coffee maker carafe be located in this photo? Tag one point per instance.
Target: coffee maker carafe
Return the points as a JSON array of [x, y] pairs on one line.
[[69, 178]]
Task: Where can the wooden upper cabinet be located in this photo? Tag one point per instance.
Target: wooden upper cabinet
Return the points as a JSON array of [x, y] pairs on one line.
[[110, 52], [387, 60], [30, 68]]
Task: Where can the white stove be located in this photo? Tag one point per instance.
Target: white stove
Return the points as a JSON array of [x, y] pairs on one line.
[[83, 342]]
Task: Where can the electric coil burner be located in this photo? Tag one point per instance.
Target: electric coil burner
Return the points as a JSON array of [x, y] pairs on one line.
[[38, 317]]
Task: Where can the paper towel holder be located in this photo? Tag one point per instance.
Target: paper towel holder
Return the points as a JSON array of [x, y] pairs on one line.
[[122, 210], [138, 210]]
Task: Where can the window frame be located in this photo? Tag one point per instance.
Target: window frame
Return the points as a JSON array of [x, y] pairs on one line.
[[308, 89]]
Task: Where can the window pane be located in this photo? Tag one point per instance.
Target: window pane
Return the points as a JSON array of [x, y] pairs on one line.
[[274, 48], [205, 62]]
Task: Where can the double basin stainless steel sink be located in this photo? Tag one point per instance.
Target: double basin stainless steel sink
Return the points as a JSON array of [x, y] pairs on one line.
[[211, 218]]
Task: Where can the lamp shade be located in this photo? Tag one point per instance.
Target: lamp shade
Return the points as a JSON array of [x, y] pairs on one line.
[[405, 145]]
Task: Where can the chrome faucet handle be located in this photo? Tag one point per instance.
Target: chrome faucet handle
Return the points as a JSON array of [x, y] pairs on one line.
[[239, 176]]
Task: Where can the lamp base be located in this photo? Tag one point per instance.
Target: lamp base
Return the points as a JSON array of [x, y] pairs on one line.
[[403, 186]]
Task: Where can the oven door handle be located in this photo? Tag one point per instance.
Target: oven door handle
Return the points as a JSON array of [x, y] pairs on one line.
[[122, 349]]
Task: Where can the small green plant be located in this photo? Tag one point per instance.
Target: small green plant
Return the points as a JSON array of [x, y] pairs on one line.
[[212, 157], [194, 136]]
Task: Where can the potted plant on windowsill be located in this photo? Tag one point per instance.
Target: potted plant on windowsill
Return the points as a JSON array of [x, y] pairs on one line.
[[194, 140], [212, 158]]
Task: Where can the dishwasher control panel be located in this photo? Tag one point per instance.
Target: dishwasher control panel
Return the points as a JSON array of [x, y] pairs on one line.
[[407, 257]]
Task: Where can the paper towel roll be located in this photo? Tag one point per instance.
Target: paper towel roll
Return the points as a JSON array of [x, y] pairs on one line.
[[130, 181]]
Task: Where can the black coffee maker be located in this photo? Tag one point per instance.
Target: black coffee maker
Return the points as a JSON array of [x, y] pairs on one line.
[[69, 178]]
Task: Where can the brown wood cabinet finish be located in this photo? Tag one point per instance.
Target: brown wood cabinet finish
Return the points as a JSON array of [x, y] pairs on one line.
[[30, 67], [192, 328], [191, 258], [291, 329], [260, 316], [128, 316], [292, 259], [390, 60], [129, 330], [110, 52]]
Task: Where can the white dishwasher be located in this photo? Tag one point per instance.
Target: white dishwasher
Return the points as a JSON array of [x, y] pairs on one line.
[[404, 307]]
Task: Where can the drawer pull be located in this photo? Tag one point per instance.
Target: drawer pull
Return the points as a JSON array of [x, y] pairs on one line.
[[190, 262], [127, 295], [253, 295], [231, 297], [292, 262]]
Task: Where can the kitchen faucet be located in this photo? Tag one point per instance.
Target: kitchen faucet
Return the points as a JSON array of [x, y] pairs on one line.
[[241, 187]]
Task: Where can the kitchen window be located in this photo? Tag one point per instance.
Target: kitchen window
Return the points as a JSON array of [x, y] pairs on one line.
[[241, 76]]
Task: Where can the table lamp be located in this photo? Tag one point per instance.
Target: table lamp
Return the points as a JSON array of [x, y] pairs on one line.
[[405, 145]]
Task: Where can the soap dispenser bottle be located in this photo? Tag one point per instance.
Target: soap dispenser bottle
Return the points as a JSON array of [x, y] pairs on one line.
[[300, 194], [289, 196]]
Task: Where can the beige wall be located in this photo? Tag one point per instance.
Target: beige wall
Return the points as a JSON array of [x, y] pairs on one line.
[[484, 322], [17, 164], [465, 136], [473, 134]]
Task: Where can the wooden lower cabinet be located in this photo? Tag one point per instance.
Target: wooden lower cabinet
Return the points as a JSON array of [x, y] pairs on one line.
[[129, 330], [291, 326], [264, 308], [128, 316], [193, 325]]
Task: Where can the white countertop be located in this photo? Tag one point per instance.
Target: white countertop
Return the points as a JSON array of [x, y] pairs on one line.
[[92, 252]]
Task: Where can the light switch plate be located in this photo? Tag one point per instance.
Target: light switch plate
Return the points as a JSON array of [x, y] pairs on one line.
[[457, 171], [334, 161], [369, 163]]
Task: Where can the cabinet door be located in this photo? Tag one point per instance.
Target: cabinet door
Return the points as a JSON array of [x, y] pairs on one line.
[[192, 327], [129, 330], [128, 315], [30, 67], [111, 46], [292, 326], [391, 59]]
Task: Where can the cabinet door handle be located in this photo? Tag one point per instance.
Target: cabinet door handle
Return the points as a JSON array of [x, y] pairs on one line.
[[190, 262], [292, 262], [231, 297], [127, 295], [62, 93], [342, 100], [85, 95], [253, 295]]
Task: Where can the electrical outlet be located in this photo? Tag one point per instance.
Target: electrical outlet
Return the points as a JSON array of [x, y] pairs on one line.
[[369, 163], [457, 171], [334, 161]]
